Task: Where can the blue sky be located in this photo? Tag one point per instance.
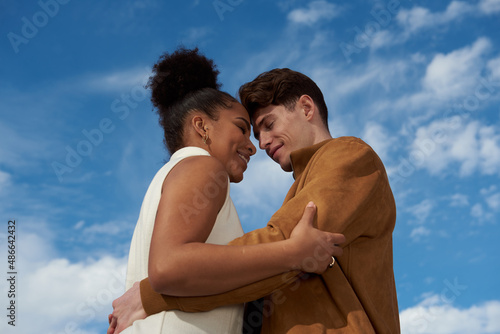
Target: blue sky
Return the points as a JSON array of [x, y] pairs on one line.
[[417, 80]]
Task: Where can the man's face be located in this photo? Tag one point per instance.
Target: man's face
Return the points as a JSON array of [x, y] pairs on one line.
[[281, 131]]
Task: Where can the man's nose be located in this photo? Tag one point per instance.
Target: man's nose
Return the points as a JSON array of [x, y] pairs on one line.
[[264, 140]]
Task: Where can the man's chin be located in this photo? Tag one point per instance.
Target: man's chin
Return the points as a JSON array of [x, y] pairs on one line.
[[287, 167]]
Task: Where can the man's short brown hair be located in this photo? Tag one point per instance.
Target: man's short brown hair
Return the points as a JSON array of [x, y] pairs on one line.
[[281, 86]]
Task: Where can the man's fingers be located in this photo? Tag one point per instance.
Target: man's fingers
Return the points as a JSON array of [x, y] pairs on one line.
[[338, 252], [119, 329], [309, 212], [112, 325], [338, 239]]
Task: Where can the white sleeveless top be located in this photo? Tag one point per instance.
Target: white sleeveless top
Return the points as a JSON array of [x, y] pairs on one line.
[[227, 319]]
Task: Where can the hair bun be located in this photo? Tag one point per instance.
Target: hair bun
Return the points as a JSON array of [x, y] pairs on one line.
[[180, 73]]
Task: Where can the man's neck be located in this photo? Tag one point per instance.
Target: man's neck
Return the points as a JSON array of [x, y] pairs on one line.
[[320, 136]]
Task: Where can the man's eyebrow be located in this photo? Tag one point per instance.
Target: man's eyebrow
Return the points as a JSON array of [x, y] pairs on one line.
[[263, 119], [257, 125], [255, 133], [246, 122]]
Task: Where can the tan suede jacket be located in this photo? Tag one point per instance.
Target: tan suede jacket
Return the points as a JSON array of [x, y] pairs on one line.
[[347, 181]]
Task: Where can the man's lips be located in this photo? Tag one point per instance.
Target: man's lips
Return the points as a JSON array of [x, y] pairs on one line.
[[272, 151]]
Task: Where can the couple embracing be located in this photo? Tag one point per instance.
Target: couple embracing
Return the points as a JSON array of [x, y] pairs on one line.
[[322, 264]]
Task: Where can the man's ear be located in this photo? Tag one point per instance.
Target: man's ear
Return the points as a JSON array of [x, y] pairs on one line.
[[307, 106]]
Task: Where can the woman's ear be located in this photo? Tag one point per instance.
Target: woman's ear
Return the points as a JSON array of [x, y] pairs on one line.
[[199, 125]]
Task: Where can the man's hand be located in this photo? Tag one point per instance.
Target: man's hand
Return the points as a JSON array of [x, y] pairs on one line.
[[126, 309], [317, 248]]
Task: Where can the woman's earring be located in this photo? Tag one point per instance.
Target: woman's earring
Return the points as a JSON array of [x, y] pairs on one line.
[[205, 138]]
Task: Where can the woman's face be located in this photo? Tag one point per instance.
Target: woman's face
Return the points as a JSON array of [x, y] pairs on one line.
[[229, 140]]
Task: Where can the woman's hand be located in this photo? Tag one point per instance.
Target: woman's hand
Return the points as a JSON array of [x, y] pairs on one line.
[[315, 248]]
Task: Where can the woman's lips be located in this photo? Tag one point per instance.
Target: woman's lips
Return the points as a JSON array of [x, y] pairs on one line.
[[244, 158]]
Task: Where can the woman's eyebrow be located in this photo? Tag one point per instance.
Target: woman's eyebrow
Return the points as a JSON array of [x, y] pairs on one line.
[[246, 122]]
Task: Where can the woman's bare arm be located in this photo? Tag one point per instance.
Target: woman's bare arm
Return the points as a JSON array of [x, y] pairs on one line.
[[182, 264]]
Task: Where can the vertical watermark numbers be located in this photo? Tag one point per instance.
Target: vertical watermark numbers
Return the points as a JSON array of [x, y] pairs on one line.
[[11, 272]]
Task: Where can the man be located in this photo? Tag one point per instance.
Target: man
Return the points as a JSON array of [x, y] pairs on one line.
[[347, 181]]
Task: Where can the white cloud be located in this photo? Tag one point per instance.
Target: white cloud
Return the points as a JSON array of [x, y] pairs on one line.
[[489, 6], [377, 72], [489, 149], [491, 197], [196, 35], [4, 178], [419, 18], [61, 294], [19, 149], [5, 181], [316, 11], [415, 18], [55, 294], [455, 10], [282, 54], [338, 126], [111, 228], [421, 210], [130, 80], [437, 315], [493, 201], [264, 186], [350, 84], [458, 200], [378, 138], [477, 211], [486, 191], [460, 82], [320, 39], [79, 225], [419, 232], [382, 38], [472, 146], [494, 67], [455, 74], [482, 214]]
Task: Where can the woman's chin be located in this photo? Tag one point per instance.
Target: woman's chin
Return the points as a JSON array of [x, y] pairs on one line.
[[236, 178]]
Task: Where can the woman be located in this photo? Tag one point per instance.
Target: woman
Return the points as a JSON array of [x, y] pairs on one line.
[[187, 215]]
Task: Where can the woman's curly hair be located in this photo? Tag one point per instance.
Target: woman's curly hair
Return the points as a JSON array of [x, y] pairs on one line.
[[182, 82]]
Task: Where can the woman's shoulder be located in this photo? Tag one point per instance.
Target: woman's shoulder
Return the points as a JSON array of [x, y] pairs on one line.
[[197, 169]]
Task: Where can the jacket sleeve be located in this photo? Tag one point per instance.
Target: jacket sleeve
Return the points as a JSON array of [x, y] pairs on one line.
[[345, 179]]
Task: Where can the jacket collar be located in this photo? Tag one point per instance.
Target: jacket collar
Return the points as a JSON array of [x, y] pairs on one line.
[[300, 158]]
